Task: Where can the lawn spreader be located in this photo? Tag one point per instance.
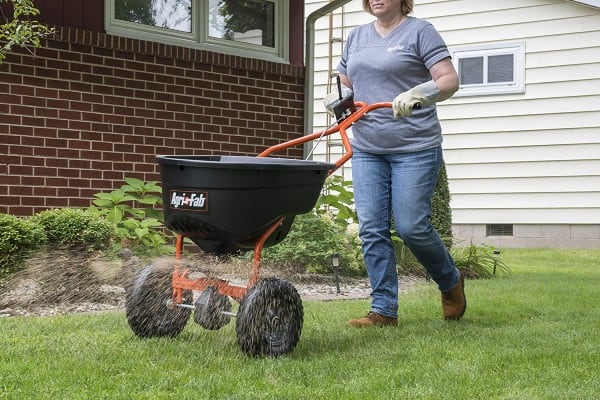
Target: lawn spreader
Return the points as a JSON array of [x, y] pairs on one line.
[[225, 204]]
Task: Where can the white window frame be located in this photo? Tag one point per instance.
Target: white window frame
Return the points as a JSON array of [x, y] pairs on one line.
[[199, 39], [517, 50]]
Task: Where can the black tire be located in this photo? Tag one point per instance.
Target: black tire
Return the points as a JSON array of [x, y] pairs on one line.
[[148, 313], [269, 319], [209, 309]]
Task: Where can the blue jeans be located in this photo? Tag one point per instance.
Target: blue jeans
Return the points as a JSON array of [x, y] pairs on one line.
[[403, 185]]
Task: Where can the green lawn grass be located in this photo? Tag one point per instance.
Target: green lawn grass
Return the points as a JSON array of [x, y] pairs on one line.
[[532, 335]]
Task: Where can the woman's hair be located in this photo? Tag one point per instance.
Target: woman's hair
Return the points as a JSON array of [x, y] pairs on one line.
[[406, 6]]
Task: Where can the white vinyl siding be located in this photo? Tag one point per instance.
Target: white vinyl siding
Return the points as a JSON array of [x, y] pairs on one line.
[[520, 158], [528, 158]]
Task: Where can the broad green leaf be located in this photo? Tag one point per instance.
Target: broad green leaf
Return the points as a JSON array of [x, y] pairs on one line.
[[151, 223], [150, 199], [115, 215], [103, 203]]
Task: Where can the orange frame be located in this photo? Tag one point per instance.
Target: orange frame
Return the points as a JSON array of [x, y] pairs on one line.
[[180, 279]]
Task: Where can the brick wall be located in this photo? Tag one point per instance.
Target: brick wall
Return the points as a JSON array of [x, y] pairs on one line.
[[87, 109]]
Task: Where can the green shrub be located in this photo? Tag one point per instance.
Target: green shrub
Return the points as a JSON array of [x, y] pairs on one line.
[[337, 200], [131, 210], [310, 244], [73, 227], [441, 214], [18, 236], [475, 262], [479, 261]]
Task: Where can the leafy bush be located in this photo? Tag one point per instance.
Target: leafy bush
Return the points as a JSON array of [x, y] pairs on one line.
[[310, 244], [18, 236], [131, 209], [74, 227], [475, 262], [441, 213], [337, 200], [479, 261]]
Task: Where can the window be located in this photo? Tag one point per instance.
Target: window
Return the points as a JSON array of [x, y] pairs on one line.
[[496, 69], [251, 28]]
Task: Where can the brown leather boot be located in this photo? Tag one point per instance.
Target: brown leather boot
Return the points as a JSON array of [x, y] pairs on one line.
[[454, 301], [373, 319]]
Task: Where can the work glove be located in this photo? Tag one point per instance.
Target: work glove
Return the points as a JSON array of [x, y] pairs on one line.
[[332, 99], [423, 95]]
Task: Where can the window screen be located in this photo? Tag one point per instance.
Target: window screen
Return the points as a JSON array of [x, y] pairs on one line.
[[471, 70], [501, 68]]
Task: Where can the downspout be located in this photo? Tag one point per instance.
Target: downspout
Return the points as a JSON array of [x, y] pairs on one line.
[[309, 52]]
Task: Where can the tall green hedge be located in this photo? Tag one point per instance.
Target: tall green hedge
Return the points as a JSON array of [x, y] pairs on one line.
[[441, 216]]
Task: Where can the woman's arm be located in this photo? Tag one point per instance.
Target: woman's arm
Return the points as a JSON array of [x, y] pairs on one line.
[[445, 77]]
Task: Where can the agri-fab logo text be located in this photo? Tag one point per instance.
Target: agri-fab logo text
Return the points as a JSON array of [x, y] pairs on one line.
[[191, 201]]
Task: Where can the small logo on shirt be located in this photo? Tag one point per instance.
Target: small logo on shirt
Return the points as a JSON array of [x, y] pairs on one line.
[[397, 47]]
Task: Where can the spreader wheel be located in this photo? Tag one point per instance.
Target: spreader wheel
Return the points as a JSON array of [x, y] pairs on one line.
[[211, 308], [149, 313], [269, 319]]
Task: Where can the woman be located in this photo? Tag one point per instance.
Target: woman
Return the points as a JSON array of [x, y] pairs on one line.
[[397, 155]]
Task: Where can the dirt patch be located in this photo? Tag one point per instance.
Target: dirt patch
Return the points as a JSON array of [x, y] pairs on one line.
[[63, 282]]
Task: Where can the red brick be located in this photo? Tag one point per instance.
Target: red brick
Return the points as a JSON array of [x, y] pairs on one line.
[[90, 154], [91, 98], [57, 84], [79, 164], [33, 201], [21, 211], [112, 156], [89, 174], [45, 171], [96, 104], [56, 103], [98, 166], [43, 191], [20, 191], [114, 119], [102, 89], [67, 192], [114, 175], [56, 202], [153, 141], [57, 162], [79, 183], [10, 179], [123, 148], [76, 202], [80, 125], [67, 153], [114, 100]]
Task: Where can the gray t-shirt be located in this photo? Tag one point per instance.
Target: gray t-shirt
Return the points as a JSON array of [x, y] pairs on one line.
[[380, 69]]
